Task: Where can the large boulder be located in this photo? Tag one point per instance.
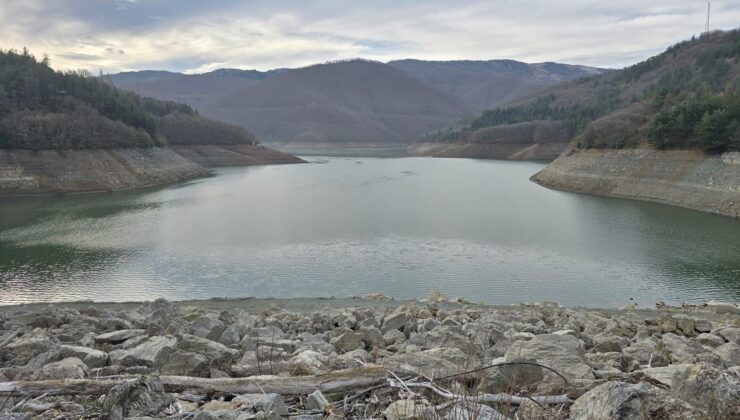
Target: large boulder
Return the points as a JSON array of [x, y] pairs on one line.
[[151, 353], [715, 391], [680, 349], [25, 347], [266, 403], [646, 352], [731, 334], [208, 326], [218, 355], [623, 401], [433, 363], [141, 397], [119, 336], [69, 368], [91, 357], [348, 341], [729, 353], [563, 353]]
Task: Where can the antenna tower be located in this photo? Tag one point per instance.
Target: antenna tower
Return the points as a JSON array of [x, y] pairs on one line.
[[709, 8]]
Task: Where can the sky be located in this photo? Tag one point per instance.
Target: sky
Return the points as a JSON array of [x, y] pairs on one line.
[[195, 36]]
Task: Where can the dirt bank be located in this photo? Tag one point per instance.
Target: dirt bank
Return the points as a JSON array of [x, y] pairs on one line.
[[508, 151], [680, 178]]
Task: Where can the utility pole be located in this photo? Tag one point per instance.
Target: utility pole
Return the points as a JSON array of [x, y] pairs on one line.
[[709, 8]]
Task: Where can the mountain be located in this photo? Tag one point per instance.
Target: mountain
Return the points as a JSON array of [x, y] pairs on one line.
[[193, 89], [488, 84], [685, 97], [348, 102]]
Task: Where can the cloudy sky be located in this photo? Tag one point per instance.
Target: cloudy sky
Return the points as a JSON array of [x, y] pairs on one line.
[[202, 35]]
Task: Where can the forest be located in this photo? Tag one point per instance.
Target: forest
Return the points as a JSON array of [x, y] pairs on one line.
[[41, 108]]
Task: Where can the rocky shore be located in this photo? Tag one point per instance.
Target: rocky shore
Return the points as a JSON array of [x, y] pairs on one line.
[[367, 358]]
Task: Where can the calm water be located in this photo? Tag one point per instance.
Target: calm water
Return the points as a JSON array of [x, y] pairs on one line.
[[352, 226]]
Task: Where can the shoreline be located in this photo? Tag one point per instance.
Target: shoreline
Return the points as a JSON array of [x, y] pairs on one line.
[[307, 358]]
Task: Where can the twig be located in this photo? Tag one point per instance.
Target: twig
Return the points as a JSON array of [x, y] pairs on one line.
[[6, 400], [9, 338]]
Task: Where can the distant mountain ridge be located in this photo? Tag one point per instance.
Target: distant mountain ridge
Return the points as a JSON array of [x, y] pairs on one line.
[[349, 102]]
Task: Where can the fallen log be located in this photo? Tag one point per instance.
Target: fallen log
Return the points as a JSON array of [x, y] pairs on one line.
[[329, 383]]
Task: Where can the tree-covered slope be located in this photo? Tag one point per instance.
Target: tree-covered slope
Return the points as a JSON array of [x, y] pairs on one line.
[[686, 97], [45, 109]]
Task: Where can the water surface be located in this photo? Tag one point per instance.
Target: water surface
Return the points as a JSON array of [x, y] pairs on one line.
[[352, 226]]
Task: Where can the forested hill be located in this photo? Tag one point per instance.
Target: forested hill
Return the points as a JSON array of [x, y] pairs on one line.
[[687, 97], [45, 109]]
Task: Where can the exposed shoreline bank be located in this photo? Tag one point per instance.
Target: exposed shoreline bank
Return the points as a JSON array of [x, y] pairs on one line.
[[315, 358]]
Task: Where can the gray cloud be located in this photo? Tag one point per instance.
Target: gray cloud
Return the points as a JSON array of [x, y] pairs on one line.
[[197, 35]]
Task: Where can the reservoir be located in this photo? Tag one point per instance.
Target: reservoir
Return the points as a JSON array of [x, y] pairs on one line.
[[346, 226]]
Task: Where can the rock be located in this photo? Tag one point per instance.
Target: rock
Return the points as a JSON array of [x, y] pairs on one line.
[[208, 326], [709, 340], [223, 415], [431, 363], [119, 336], [197, 349], [216, 405], [702, 325], [665, 374], [519, 374], [394, 336], [408, 409], [262, 402], [88, 340], [141, 397], [353, 359], [25, 347], [723, 307], [610, 361], [729, 353], [316, 401], [646, 352], [472, 411], [680, 349], [348, 342], [91, 357], [715, 391], [232, 334], [731, 334], [372, 337], [308, 362], [560, 352], [612, 400], [395, 321], [69, 368], [605, 343], [151, 353]]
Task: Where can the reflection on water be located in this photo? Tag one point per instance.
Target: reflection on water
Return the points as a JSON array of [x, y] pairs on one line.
[[477, 229]]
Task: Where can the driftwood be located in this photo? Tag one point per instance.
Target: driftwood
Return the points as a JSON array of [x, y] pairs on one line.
[[488, 398], [10, 337], [334, 382]]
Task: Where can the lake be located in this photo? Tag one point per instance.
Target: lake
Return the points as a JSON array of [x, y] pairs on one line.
[[342, 226]]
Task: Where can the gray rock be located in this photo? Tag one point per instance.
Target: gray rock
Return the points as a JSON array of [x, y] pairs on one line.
[[729, 353], [91, 357], [151, 353], [141, 397], [709, 340], [408, 409], [430, 363], [208, 326], [609, 401], [316, 401], [25, 347], [610, 361], [563, 353], [232, 334], [473, 411], [715, 391], [731, 334], [723, 307], [605, 343], [702, 325], [646, 351], [119, 336], [69, 368], [218, 355], [372, 337], [680, 349], [348, 342], [184, 363], [262, 402], [309, 362], [394, 336], [223, 414], [665, 374], [396, 321]]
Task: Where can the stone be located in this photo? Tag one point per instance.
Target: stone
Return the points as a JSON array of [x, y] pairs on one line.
[[395, 321], [407, 409], [605, 343], [348, 342], [680, 349], [472, 411], [208, 326], [394, 336], [709, 340], [353, 359], [262, 402], [646, 352], [433, 363], [223, 415], [316, 401], [665, 374], [91, 357], [68, 368], [723, 307], [372, 337], [715, 391], [119, 336], [218, 355], [151, 353], [563, 353], [612, 400], [308, 362], [25, 347], [142, 397], [729, 353], [609, 361], [232, 334], [184, 363], [731, 334], [702, 325]]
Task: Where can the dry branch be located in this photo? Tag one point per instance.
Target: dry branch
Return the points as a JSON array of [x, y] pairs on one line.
[[334, 382]]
